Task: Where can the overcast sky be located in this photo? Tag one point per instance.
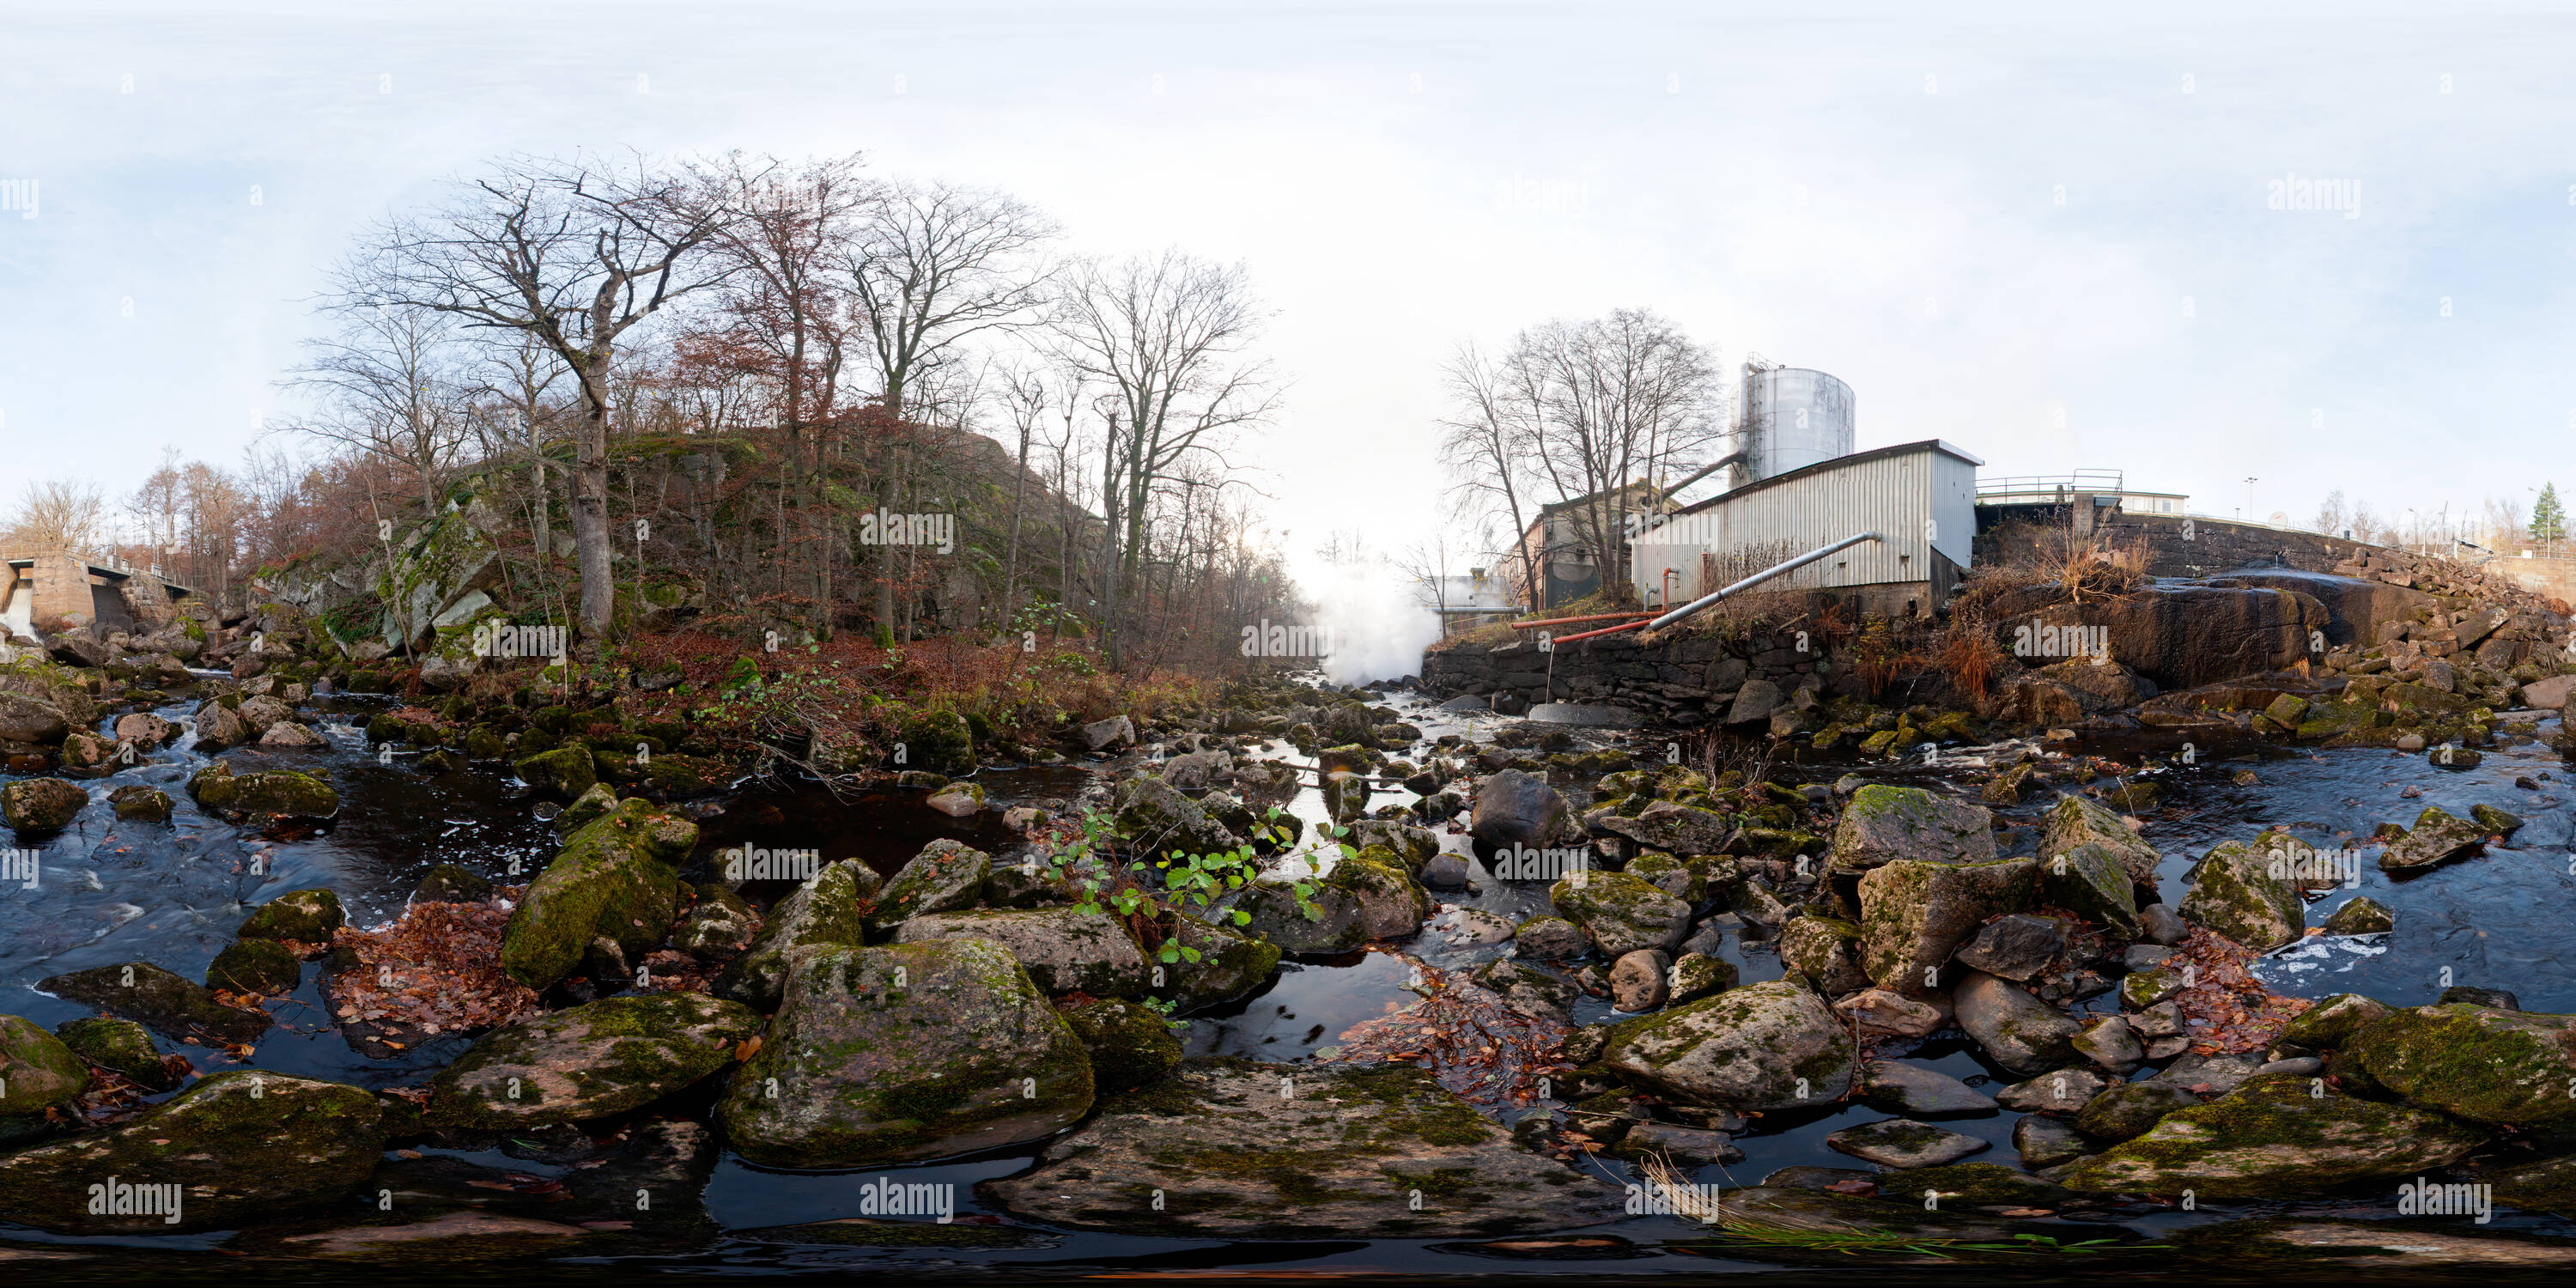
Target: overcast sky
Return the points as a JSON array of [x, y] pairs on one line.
[[2046, 236]]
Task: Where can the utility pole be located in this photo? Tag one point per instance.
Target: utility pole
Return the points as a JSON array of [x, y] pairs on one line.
[[2247, 513]]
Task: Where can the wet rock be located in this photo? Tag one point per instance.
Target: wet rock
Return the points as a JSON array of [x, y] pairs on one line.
[[36, 805], [958, 800], [1697, 975], [2361, 915], [2497, 822], [1683, 1146], [2470, 995], [2409, 742], [269, 791], [2129, 1110], [2448, 756], [905, 1052], [2065, 1091], [172, 1006], [242, 1146], [1528, 990], [1063, 949], [1106, 735], [591, 1061], [1549, 938], [1418, 847], [596, 802], [1911, 1089], [2108, 1042], [2140, 989], [1826, 952], [24, 719], [563, 773], [1674, 828], [1129, 1045], [2046, 1142], [144, 729], [615, 879], [451, 883], [2162, 924], [2090, 881], [1162, 821], [830, 909], [946, 876], [1896, 1142], [2272, 1137], [1364, 897], [940, 742], [1914, 913], [136, 801], [120, 1046], [37, 1071], [1621, 913], [1512, 809], [262, 712], [299, 916], [674, 776], [1982, 1186], [1229, 966], [719, 927], [255, 966], [2145, 956], [2212, 1075], [2302, 1065], [2474, 1062], [1877, 1013], [87, 754], [1764, 1046], [1881, 823], [2015, 947], [2018, 1031], [2436, 837], [2235, 892], [2076, 821], [1637, 981], [1445, 872]]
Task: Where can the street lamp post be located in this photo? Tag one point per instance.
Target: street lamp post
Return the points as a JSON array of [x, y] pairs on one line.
[[2247, 513]]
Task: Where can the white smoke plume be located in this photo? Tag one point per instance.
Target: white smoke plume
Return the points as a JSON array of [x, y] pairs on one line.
[[1373, 616]]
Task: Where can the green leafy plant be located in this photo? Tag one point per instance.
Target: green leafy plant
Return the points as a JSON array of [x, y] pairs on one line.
[[1164, 1006]]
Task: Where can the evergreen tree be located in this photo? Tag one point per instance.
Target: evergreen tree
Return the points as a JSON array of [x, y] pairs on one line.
[[2548, 517]]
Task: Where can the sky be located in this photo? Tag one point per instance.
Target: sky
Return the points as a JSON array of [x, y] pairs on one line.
[[2044, 234]]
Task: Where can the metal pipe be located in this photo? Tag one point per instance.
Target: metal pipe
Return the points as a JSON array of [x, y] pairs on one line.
[[1568, 621], [1766, 574], [1606, 630]]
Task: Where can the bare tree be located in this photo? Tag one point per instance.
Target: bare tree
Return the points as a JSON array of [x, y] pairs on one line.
[[1166, 337], [1489, 444], [1625, 398], [391, 385], [573, 253], [58, 514]]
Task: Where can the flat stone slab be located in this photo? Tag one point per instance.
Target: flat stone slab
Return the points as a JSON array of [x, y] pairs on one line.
[[1897, 1142], [1581, 713]]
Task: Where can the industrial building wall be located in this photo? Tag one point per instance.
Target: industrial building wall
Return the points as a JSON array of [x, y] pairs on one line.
[[1894, 496]]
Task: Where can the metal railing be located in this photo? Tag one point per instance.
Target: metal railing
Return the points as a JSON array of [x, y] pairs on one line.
[[2047, 487]]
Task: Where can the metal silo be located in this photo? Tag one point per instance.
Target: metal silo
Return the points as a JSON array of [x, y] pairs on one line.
[[1792, 418]]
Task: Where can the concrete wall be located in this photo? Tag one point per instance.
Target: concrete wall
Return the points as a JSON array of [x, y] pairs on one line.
[[2555, 578], [2175, 546]]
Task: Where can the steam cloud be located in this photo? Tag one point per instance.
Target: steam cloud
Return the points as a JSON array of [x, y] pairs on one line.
[[1378, 626]]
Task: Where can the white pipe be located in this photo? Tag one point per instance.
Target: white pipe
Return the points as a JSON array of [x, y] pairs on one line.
[[1762, 576]]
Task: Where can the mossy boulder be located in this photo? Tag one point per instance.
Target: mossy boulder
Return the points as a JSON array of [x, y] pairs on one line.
[[719, 927], [1064, 950], [451, 883], [2474, 1062], [2237, 892], [1825, 951], [242, 1146], [1882, 823], [2436, 837], [220, 727], [1913, 913], [1773, 1045], [614, 879], [1230, 965], [37, 1071], [946, 876], [299, 916], [120, 1046], [2361, 915], [1621, 912], [675, 776], [592, 1061], [563, 773], [2332, 1021], [1231, 1149], [2018, 1031], [2077, 821], [1414, 846], [171, 1005], [906, 1052], [2089, 881], [1130, 1045], [36, 805], [1365, 896], [596, 801], [26, 719], [284, 792], [136, 801], [2275, 1136], [2127, 1110], [1161, 821], [830, 909], [938, 741], [258, 966]]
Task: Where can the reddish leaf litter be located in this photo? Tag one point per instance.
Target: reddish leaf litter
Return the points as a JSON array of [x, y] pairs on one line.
[[2227, 1010], [436, 969], [1465, 1035]]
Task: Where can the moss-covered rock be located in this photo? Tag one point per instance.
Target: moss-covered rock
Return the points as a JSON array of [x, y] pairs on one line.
[[938, 741], [1773, 1045], [1218, 1151], [2127, 1110], [2277, 1135], [830, 909], [591, 1061], [2473, 1062], [2436, 836], [451, 883], [2328, 1024], [2090, 881], [2235, 892], [1065, 950], [946, 876], [2361, 915], [1621, 913], [36, 805], [1155, 816], [906, 1052], [1913, 913], [241, 1146], [563, 773], [37, 1071], [1130, 1045], [1881, 823], [675, 776], [172, 1005], [120, 1046], [595, 802], [719, 927], [1229, 966], [260, 966], [136, 801], [300, 916], [2075, 821], [614, 879], [285, 792]]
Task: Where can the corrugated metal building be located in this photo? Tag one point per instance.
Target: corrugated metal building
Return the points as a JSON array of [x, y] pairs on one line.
[[1921, 498]]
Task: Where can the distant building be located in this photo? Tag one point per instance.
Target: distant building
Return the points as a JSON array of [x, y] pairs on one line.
[[1569, 568], [2081, 494], [51, 586]]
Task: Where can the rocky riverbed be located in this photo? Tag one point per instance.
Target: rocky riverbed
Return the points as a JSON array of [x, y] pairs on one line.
[[1571, 993]]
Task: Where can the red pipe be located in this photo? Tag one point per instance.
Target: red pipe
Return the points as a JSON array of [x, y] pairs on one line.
[[1567, 621], [1607, 630]]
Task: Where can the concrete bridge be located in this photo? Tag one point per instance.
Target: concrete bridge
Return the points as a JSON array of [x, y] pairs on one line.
[[59, 586]]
